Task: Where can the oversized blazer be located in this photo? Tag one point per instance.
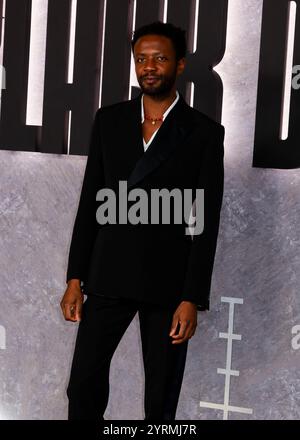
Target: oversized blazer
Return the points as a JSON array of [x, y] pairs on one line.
[[155, 263]]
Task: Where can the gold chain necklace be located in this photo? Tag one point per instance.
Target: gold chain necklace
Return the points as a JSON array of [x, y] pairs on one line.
[[153, 120]]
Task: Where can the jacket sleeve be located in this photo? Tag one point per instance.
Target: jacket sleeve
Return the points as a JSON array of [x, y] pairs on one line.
[[86, 226], [201, 258]]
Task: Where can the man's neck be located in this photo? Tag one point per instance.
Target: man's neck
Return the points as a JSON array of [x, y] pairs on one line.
[[157, 105]]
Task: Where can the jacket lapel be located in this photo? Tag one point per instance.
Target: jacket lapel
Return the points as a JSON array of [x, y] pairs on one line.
[[170, 136]]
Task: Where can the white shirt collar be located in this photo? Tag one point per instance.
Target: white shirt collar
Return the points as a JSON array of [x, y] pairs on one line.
[[165, 113]]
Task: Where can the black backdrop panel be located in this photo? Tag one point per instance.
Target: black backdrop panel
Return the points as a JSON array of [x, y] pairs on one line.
[[269, 150], [82, 96]]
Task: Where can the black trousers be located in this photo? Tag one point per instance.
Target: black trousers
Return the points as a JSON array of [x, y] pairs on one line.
[[104, 322]]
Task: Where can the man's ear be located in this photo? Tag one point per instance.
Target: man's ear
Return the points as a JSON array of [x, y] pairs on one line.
[[180, 66]]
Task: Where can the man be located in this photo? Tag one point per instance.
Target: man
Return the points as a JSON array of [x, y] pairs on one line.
[[154, 141]]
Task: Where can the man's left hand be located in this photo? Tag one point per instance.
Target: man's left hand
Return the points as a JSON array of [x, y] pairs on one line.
[[186, 317]]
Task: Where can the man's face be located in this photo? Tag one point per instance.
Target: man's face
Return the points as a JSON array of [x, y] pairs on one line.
[[155, 64]]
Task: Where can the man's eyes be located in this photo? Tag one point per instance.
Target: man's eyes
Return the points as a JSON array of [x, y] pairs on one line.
[[159, 58]]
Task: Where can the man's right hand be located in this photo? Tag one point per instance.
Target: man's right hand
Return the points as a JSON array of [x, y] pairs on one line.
[[71, 303]]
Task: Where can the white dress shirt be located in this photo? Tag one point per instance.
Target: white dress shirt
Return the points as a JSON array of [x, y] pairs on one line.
[[146, 144]]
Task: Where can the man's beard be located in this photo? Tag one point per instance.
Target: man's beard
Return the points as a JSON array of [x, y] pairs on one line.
[[164, 88]]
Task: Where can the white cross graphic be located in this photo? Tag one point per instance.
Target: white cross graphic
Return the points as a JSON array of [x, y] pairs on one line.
[[230, 336]]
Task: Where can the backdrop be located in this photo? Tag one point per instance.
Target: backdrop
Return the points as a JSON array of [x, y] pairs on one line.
[[243, 361]]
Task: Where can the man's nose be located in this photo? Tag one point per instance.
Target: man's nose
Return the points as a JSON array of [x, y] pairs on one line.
[[149, 65]]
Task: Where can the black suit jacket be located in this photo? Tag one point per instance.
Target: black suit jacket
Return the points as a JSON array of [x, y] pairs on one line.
[[157, 263]]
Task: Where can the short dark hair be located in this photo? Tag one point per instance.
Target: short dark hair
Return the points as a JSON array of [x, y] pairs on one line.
[[176, 35]]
